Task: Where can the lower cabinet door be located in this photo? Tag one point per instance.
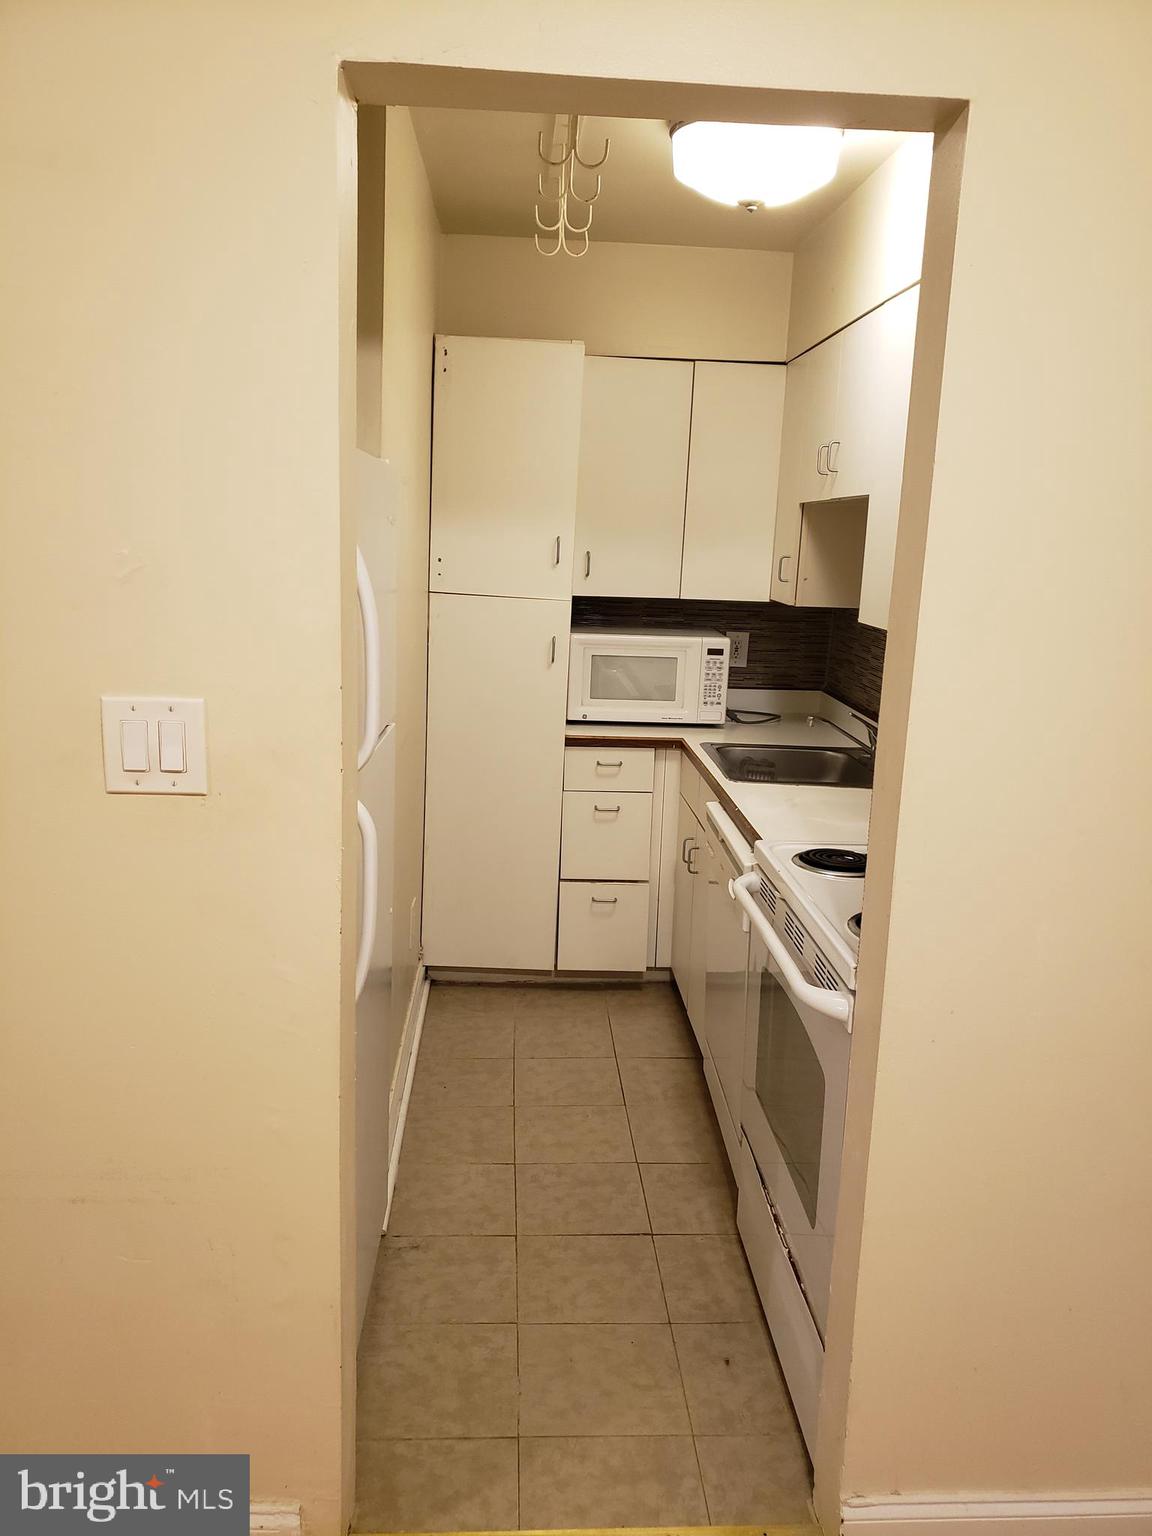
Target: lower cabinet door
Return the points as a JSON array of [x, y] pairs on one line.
[[688, 837], [603, 926], [497, 691]]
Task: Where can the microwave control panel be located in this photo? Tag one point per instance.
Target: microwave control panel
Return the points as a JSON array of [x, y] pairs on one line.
[[712, 691]]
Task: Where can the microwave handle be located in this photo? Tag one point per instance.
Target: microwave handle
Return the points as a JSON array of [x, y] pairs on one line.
[[831, 1004]]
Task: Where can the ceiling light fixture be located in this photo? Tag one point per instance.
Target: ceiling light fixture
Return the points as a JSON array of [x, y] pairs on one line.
[[754, 165]]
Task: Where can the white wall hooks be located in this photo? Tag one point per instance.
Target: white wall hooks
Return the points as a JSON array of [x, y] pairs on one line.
[[562, 160]]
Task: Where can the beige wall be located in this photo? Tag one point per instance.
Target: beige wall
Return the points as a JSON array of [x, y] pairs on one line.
[[170, 453], [172, 1028], [866, 251], [411, 250], [635, 300]]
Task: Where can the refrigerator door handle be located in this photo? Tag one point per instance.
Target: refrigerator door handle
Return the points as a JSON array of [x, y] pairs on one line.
[[369, 880], [370, 623]]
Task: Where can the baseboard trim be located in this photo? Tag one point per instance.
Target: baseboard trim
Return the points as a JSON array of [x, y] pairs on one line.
[[1002, 1516], [402, 1081], [451, 976], [275, 1520]]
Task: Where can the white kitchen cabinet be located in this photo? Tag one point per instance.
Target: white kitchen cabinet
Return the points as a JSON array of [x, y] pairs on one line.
[[506, 438], [809, 426], [872, 421], [603, 926], [689, 919], [608, 767], [497, 693], [842, 453], [692, 786], [606, 835], [733, 468], [632, 472]]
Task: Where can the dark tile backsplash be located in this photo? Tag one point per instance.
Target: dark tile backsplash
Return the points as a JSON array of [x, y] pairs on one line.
[[855, 662], [825, 648]]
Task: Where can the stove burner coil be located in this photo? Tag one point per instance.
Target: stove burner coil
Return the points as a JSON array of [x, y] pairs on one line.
[[832, 861]]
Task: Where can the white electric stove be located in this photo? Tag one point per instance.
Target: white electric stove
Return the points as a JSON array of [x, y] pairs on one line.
[[802, 904], [825, 886]]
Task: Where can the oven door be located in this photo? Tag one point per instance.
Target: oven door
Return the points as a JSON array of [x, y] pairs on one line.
[[792, 1109], [634, 680]]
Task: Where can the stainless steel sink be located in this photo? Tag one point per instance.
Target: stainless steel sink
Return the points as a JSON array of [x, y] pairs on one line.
[[851, 767]]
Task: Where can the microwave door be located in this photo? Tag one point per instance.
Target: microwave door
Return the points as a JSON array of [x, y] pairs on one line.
[[656, 678]]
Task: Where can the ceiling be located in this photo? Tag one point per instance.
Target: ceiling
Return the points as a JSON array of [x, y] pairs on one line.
[[482, 167]]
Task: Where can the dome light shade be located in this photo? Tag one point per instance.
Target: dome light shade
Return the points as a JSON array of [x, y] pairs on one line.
[[754, 165]]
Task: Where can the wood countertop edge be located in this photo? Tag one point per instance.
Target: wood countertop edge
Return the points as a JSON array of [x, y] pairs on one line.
[[704, 769]]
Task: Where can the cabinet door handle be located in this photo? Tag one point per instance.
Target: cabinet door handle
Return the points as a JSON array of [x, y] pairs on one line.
[[587, 564], [552, 657], [822, 459], [780, 576], [605, 901], [606, 810], [684, 849], [556, 551], [833, 447], [695, 848]]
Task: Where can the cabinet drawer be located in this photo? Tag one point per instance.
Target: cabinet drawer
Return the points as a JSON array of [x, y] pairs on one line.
[[626, 768], [605, 836], [603, 926]]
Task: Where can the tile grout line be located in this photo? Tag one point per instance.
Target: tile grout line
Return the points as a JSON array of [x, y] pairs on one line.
[[667, 1308]]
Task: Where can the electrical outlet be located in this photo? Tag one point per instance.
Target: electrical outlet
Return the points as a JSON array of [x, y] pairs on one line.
[[739, 653]]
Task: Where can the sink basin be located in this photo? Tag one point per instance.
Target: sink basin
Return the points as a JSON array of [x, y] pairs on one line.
[[851, 767]]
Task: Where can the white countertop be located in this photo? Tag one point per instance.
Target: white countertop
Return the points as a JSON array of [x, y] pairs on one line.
[[813, 813]]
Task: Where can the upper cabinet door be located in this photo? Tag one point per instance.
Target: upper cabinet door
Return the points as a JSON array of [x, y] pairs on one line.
[[633, 468], [809, 427], [871, 422], [505, 442], [733, 464]]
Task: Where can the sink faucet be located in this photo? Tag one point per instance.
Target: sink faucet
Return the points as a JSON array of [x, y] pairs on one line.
[[869, 727]]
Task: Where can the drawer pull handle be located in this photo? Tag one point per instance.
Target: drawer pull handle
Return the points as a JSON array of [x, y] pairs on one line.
[[606, 810], [605, 901], [600, 763]]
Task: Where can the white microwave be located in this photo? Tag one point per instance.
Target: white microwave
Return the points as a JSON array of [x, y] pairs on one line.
[[665, 676]]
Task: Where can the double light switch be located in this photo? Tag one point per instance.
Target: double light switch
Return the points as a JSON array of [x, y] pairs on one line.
[[154, 746]]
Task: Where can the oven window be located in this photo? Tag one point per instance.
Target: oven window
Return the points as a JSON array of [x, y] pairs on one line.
[[790, 1087], [651, 678]]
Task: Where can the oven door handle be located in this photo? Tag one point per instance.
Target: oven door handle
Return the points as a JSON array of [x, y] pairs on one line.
[[832, 1004]]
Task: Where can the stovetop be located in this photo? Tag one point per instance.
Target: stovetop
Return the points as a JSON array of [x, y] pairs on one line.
[[824, 902]]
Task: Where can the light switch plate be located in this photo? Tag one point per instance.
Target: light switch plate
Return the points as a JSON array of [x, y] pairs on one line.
[[118, 780], [738, 651]]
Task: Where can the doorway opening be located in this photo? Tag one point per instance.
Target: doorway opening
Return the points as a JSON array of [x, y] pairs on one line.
[[601, 1101]]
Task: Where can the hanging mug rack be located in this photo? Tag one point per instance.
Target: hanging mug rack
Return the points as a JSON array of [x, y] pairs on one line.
[[564, 182]]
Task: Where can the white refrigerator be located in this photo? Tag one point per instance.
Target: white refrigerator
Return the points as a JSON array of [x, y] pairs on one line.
[[375, 502]]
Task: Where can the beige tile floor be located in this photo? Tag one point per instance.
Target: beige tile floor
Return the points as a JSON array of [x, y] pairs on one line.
[[563, 1331]]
